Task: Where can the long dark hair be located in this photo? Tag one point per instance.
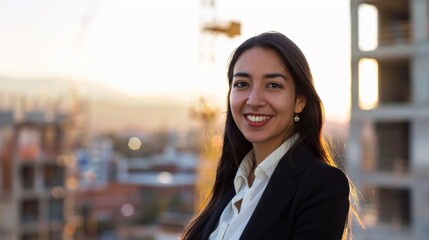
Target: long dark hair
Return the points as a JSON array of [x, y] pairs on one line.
[[235, 145]]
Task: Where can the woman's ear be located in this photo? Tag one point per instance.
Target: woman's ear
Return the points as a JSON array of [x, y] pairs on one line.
[[300, 103]]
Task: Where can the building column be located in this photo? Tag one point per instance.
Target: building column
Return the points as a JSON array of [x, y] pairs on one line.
[[420, 125], [420, 209], [354, 153], [420, 78], [420, 20], [354, 6]]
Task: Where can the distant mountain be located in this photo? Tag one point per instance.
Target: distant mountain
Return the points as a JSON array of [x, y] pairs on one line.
[[109, 110]]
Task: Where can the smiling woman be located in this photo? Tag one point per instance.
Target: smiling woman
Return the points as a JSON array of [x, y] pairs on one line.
[[276, 178]]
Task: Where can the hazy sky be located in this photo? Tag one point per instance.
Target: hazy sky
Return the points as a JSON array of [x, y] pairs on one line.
[[156, 48]]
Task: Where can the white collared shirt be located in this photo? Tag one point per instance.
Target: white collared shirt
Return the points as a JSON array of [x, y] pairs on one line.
[[233, 220]]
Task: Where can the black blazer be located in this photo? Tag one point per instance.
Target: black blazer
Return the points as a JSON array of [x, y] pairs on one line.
[[305, 199]]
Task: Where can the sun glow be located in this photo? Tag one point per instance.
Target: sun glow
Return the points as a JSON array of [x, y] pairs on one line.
[[155, 51], [368, 83], [368, 27]]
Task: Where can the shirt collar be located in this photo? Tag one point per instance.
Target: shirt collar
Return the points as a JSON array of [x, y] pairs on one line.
[[267, 166], [244, 169]]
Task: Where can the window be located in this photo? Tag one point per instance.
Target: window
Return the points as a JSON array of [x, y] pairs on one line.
[[394, 206], [53, 176], [393, 149], [28, 143], [56, 209], [27, 177], [29, 211]]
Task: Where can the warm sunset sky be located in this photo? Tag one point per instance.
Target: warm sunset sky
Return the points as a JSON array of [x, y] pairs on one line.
[[155, 48]]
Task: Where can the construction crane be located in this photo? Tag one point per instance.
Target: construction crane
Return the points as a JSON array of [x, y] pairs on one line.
[[205, 112]]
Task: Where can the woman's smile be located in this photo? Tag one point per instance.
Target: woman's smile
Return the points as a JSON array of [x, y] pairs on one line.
[[257, 120]]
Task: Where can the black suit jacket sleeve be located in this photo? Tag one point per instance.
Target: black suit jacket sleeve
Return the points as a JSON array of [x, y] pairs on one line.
[[324, 205]]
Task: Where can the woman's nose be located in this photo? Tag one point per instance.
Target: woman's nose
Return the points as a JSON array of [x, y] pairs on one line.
[[255, 98]]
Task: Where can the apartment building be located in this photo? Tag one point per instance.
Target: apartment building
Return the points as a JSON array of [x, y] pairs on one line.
[[38, 140], [32, 179], [388, 144]]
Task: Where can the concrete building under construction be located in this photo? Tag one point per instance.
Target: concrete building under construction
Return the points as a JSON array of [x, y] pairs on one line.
[[36, 150], [388, 145]]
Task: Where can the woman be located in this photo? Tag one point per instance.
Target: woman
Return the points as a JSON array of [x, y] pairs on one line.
[[276, 178]]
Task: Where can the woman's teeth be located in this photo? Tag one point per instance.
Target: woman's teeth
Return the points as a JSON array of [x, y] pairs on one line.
[[254, 118]]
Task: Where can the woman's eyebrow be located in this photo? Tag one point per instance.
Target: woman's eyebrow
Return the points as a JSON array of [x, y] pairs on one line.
[[274, 75], [268, 75], [241, 74]]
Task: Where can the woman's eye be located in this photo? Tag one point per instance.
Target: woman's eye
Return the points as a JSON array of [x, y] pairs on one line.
[[274, 85], [240, 84]]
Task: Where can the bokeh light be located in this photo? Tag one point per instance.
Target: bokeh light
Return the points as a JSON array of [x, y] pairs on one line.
[[127, 210], [58, 192], [165, 177], [134, 143]]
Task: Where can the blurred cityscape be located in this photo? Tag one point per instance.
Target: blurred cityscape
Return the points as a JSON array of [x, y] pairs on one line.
[[62, 180], [86, 162], [79, 160]]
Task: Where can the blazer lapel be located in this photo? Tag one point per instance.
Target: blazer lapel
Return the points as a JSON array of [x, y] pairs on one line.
[[214, 218], [277, 195]]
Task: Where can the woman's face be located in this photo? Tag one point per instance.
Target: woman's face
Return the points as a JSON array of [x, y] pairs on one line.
[[262, 98]]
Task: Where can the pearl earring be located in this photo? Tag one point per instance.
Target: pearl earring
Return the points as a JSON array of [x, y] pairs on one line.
[[296, 118]]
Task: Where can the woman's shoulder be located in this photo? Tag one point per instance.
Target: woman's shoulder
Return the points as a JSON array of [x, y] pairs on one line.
[[304, 161], [320, 174], [308, 169]]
